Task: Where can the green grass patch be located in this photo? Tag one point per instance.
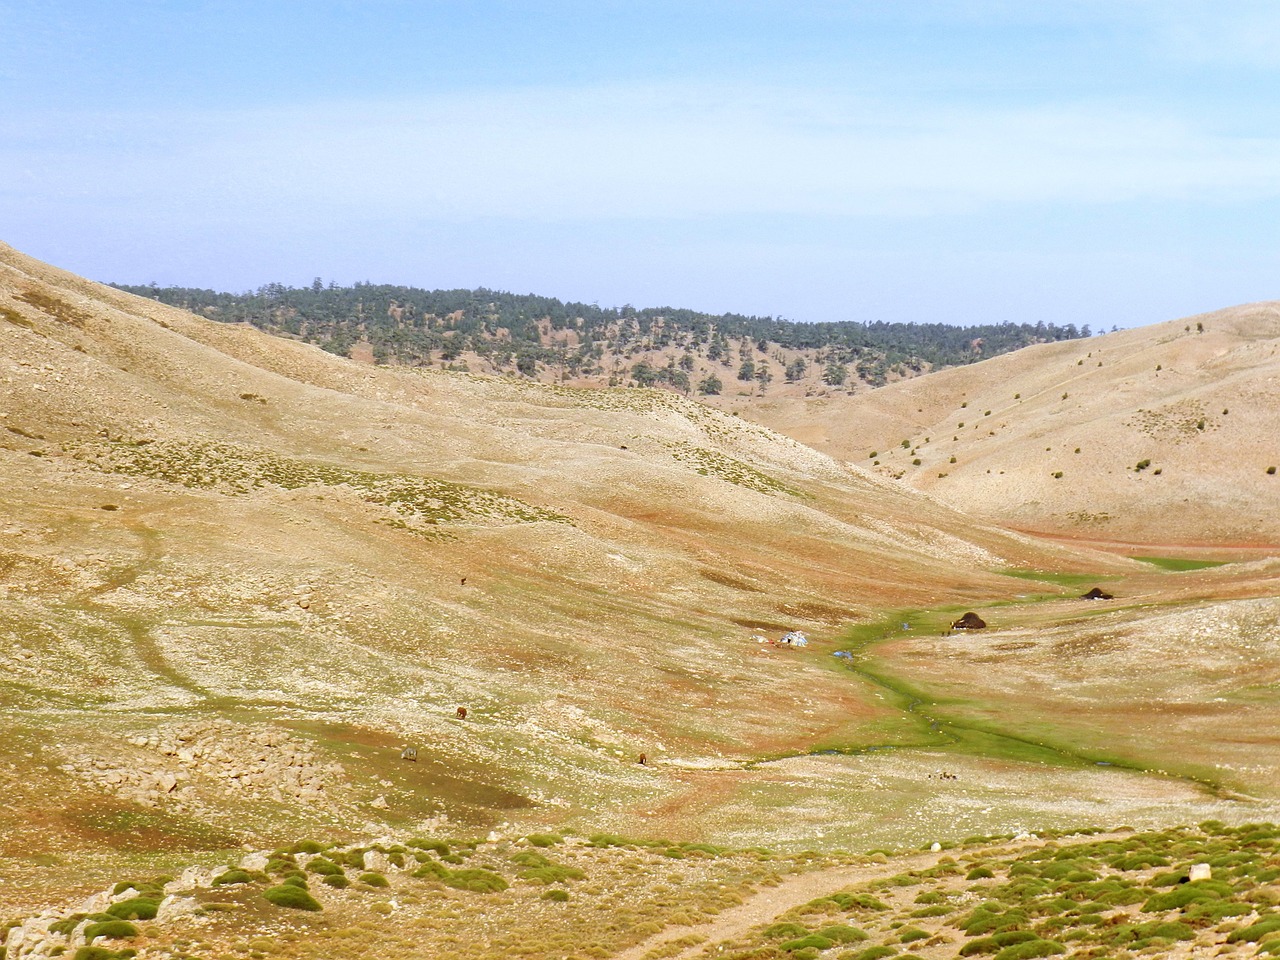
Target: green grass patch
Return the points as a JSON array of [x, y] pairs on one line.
[[1180, 564], [1061, 579]]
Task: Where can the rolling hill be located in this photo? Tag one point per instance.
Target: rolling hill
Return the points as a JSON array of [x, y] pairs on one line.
[[240, 575], [1167, 435]]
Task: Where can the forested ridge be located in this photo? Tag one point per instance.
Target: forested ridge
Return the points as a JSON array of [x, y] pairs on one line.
[[495, 331]]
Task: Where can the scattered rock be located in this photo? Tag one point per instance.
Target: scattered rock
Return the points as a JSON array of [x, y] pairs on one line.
[[173, 906]]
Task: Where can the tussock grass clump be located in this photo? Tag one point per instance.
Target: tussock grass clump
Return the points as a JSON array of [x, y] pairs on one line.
[[556, 896], [373, 879], [540, 869], [102, 953], [235, 875], [473, 879], [1032, 948], [338, 881], [112, 929], [442, 848], [135, 908], [325, 867], [291, 897], [873, 953], [785, 930], [543, 839]]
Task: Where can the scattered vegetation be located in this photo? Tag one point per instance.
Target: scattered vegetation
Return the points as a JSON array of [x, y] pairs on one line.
[[531, 336]]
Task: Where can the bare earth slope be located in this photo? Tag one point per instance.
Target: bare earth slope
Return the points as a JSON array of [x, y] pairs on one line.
[[237, 569], [1050, 438]]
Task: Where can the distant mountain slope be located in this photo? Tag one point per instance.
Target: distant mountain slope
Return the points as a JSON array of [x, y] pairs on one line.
[[488, 331], [1168, 434]]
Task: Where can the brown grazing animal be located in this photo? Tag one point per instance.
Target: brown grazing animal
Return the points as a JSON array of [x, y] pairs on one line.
[[643, 759], [462, 713]]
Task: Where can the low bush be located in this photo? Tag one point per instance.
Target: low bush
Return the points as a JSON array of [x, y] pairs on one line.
[[434, 846], [476, 880], [137, 908], [544, 839], [873, 953], [338, 881], [785, 930], [229, 877], [557, 896], [374, 879], [810, 942], [1255, 931], [102, 953], [1031, 948], [325, 867], [294, 898], [842, 933], [112, 929]]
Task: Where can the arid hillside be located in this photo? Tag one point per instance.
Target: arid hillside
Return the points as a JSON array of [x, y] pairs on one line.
[[238, 575], [1166, 435], [256, 598]]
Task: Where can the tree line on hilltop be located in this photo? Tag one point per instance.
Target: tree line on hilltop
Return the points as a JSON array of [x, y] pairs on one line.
[[548, 338]]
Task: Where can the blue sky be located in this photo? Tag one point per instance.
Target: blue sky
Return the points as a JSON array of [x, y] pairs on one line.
[[1109, 163]]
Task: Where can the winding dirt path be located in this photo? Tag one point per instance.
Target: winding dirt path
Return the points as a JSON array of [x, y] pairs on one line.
[[771, 902]]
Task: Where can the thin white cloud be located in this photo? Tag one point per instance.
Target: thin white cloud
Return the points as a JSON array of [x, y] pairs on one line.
[[639, 151]]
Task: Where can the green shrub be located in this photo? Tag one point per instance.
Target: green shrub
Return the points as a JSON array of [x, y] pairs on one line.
[[1142, 465], [374, 879], [279, 865], [476, 880], [229, 877], [858, 901], [114, 929], [842, 933], [979, 873], [296, 880], [325, 867], [102, 953], [810, 942], [980, 946], [1200, 891], [138, 908], [292, 897], [338, 881], [353, 858], [432, 870], [785, 930], [306, 846], [1137, 861], [874, 953], [558, 896], [1255, 931], [912, 934], [544, 839], [433, 845], [1032, 948]]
